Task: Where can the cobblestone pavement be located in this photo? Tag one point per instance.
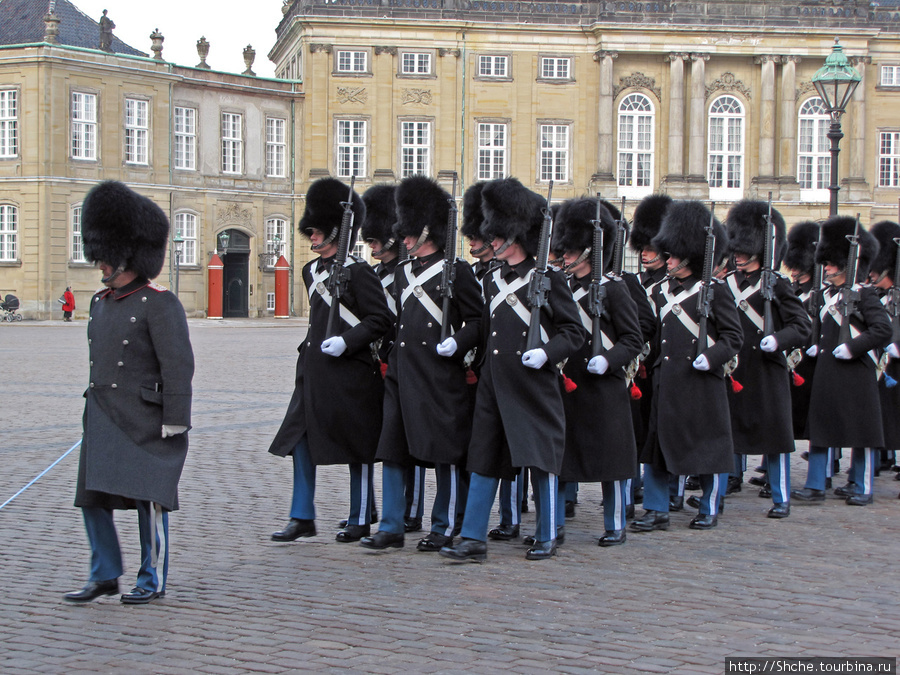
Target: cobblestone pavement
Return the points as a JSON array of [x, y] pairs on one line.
[[821, 583]]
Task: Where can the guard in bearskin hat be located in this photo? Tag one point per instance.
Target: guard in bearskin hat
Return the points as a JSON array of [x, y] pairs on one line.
[[598, 410], [334, 416], [138, 405], [427, 408], [473, 217], [690, 426], [844, 406], [760, 408], [519, 417]]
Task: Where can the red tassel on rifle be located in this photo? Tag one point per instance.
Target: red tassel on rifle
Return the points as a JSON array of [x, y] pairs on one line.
[[798, 379], [569, 384], [736, 386], [635, 391], [642, 371], [383, 367], [471, 377]]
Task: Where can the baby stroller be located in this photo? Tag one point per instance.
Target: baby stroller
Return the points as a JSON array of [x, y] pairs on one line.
[[9, 307]]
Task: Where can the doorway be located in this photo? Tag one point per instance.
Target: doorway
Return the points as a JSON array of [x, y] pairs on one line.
[[235, 276]]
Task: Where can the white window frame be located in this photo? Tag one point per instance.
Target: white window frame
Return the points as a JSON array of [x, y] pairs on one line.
[[725, 143], [889, 159], [9, 232], [554, 152], [890, 76], [493, 66], [83, 143], [185, 131], [416, 64], [557, 68], [492, 148], [9, 123], [76, 243], [275, 226], [351, 147], [415, 148], [813, 151], [276, 147], [137, 131], [636, 131], [270, 301], [351, 61], [186, 226], [232, 143]]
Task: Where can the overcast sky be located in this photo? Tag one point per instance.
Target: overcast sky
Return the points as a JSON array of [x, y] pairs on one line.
[[227, 26]]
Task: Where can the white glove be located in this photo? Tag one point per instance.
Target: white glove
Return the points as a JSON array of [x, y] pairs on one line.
[[842, 352], [768, 343], [172, 430], [813, 351], [701, 362], [334, 346], [598, 365], [534, 358], [892, 351], [447, 347]]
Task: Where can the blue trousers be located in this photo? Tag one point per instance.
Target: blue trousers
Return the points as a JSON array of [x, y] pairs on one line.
[[393, 499], [415, 491], [862, 469], [676, 485], [483, 489], [362, 488], [446, 498], [778, 473], [819, 467], [106, 555], [656, 490], [511, 493], [616, 494]]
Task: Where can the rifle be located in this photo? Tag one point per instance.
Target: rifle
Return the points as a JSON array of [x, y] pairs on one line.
[[767, 278], [814, 302], [539, 285], [337, 279], [849, 295], [597, 296], [618, 259], [448, 275], [704, 298]]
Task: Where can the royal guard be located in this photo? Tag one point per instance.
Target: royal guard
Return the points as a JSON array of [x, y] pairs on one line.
[[690, 425], [844, 406], [334, 416], [774, 322], [600, 445], [519, 417]]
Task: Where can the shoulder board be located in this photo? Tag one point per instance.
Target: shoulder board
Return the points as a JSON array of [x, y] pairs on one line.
[[612, 277], [351, 259], [153, 286]]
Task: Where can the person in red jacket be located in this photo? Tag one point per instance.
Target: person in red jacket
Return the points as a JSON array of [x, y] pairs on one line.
[[69, 304]]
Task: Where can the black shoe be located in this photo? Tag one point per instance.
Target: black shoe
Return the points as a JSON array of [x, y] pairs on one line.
[[295, 529], [504, 532], [847, 490], [765, 492], [373, 518], [639, 496], [859, 500], [782, 510], [467, 550], [541, 550], [760, 469], [612, 538], [676, 503], [734, 485], [412, 525], [353, 533], [529, 540], [570, 509], [651, 520], [808, 495], [434, 542], [93, 590], [140, 596], [629, 512], [692, 483], [759, 481], [704, 522], [382, 540], [693, 501]]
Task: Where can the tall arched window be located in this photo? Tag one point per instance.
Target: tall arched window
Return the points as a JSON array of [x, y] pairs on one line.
[[636, 117], [726, 148], [9, 232], [813, 157]]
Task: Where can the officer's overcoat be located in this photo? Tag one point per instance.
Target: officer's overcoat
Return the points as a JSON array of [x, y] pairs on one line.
[[801, 381], [599, 435], [690, 425], [844, 407], [519, 417], [337, 400], [427, 406], [761, 421], [890, 395], [141, 366]]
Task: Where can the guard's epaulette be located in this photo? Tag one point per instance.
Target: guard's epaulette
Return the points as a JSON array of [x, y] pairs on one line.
[[354, 259], [613, 277], [159, 288]]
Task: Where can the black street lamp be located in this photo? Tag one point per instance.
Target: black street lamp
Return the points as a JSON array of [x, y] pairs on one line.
[[179, 249], [835, 81], [224, 240]]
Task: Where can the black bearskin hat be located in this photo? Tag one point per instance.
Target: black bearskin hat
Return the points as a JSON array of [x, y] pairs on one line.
[[801, 247], [646, 220], [573, 229], [682, 234], [473, 216], [835, 247], [324, 209], [122, 228], [885, 232], [422, 203], [381, 215], [512, 211], [746, 225]]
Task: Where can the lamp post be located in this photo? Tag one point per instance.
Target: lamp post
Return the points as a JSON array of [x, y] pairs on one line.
[[835, 81], [179, 248], [224, 240]]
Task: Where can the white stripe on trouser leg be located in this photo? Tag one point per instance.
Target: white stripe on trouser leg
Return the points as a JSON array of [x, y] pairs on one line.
[[552, 497], [627, 489], [681, 481], [868, 456], [714, 496], [158, 550], [417, 490], [451, 502], [364, 507], [783, 468], [829, 462], [513, 498], [617, 518]]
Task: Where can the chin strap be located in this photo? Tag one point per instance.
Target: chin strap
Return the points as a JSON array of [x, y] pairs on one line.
[[478, 251], [387, 246], [680, 266], [580, 259], [419, 241], [112, 277], [881, 277], [331, 238], [742, 265], [506, 244], [651, 261]]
